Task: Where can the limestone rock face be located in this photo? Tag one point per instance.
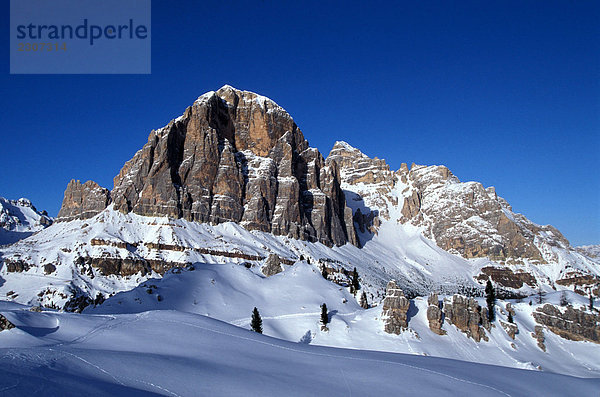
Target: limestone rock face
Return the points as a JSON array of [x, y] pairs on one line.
[[572, 324], [468, 316], [272, 266], [435, 315], [367, 184], [83, 201], [237, 156], [469, 219], [395, 308]]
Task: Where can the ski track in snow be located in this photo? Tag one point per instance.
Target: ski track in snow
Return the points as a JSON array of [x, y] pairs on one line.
[[246, 320], [340, 356], [91, 364]]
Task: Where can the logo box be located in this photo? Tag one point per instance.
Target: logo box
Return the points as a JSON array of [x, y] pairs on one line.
[[80, 37]]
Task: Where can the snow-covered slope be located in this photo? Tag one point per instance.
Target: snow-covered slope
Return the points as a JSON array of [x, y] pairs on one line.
[[113, 252], [20, 219], [227, 283], [289, 303], [172, 353], [69, 258]]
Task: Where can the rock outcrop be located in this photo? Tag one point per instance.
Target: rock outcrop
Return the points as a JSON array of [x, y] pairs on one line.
[[83, 201], [581, 282], [572, 324], [466, 315], [505, 277], [511, 329], [233, 156], [435, 316], [5, 324], [468, 218], [395, 309], [538, 335], [272, 266]]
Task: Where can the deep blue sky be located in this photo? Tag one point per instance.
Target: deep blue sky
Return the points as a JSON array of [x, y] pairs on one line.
[[505, 94]]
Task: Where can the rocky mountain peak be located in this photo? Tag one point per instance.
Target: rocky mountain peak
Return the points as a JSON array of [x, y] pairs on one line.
[[83, 201], [367, 184], [233, 156], [461, 217]]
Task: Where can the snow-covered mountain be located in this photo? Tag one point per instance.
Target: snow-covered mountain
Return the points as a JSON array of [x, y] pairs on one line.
[[228, 207], [236, 156], [592, 251], [20, 219]]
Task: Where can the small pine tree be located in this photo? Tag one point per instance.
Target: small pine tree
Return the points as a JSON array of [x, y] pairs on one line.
[[324, 272], [490, 298], [564, 301], [591, 302], [510, 318], [364, 303], [540, 295], [355, 286], [324, 314], [530, 302], [99, 299], [256, 322]]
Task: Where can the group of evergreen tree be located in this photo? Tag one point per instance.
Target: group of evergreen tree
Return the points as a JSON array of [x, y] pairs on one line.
[[256, 322]]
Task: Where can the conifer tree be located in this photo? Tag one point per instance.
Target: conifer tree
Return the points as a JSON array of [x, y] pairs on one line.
[[490, 298], [324, 314], [364, 303], [540, 295], [591, 301], [324, 272], [355, 286], [564, 301], [256, 322], [510, 318]]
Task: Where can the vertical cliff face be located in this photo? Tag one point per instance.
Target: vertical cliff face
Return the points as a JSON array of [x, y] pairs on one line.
[[232, 156], [367, 184], [83, 200]]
